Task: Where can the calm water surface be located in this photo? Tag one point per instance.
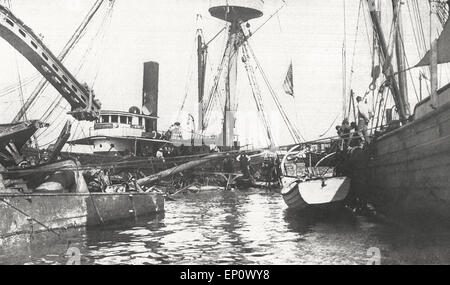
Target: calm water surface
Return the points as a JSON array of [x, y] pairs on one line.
[[242, 228]]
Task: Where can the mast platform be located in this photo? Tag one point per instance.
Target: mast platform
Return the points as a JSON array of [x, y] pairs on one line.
[[236, 10]]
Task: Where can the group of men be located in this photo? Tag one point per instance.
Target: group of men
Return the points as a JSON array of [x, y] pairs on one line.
[[244, 164], [355, 134], [270, 168]]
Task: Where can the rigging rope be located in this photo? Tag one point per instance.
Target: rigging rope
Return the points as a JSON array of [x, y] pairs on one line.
[[19, 78], [187, 87], [58, 100], [214, 89], [257, 94], [352, 71], [103, 40], [291, 127], [67, 48], [344, 64], [15, 87], [331, 126], [368, 34]]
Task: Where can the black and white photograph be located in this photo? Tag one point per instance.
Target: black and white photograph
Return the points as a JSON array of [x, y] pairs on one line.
[[224, 133]]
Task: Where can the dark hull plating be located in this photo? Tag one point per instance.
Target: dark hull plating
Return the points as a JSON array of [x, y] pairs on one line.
[[26, 215]]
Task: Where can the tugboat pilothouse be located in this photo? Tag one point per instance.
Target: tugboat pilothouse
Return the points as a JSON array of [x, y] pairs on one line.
[[124, 133], [119, 133]]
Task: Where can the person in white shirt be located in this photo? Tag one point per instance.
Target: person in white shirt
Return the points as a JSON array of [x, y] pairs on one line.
[[364, 117], [160, 155]]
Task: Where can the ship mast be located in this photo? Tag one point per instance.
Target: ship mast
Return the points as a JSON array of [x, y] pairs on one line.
[[400, 54], [234, 43], [388, 70], [202, 54], [235, 13], [433, 60]]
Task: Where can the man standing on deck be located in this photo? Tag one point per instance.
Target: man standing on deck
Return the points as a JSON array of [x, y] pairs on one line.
[[278, 171], [160, 154], [228, 166], [244, 163], [364, 116]]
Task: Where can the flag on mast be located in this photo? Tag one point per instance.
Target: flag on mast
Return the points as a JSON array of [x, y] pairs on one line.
[[288, 84]]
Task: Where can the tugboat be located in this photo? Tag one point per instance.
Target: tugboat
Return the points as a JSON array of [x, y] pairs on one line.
[[118, 133], [133, 133]]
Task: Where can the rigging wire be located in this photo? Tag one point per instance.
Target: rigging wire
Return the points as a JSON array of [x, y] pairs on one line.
[[257, 94], [187, 87], [352, 71], [215, 87], [268, 19], [67, 48], [58, 100], [344, 64], [331, 126], [297, 114], [369, 41], [76, 37], [19, 78], [15, 87], [103, 40], [409, 71], [291, 127]]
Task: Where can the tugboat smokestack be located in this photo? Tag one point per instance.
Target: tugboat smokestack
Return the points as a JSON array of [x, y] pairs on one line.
[[150, 90]]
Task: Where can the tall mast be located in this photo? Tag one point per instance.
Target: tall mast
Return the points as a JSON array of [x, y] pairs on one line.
[[344, 67], [235, 13], [433, 60], [400, 54], [234, 42], [389, 70], [202, 53]]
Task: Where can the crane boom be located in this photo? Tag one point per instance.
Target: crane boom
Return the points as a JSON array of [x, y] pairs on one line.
[[23, 39]]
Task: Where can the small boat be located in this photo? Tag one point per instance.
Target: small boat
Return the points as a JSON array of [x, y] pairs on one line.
[[300, 193]]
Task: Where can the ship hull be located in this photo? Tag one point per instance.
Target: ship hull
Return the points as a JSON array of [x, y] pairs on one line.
[[25, 216], [315, 193], [406, 173]]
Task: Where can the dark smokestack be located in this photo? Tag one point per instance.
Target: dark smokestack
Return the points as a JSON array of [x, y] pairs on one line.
[[150, 91]]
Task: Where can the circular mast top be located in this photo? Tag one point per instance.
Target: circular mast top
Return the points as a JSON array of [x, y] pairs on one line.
[[236, 10]]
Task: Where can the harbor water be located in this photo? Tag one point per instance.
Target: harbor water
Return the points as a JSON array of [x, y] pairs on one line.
[[234, 228]]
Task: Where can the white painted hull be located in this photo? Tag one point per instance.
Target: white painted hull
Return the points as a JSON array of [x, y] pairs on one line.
[[300, 195]]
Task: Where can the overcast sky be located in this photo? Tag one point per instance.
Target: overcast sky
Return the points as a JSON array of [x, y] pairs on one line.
[[308, 32]]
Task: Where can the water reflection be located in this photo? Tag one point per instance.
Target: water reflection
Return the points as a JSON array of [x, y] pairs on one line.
[[244, 228]]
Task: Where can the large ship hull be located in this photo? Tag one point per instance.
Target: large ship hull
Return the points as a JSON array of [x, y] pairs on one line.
[[406, 173]]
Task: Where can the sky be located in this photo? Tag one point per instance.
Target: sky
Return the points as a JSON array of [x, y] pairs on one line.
[[309, 33]]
